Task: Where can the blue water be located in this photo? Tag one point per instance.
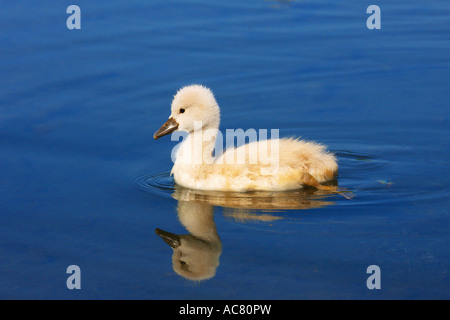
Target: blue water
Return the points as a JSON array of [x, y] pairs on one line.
[[84, 183]]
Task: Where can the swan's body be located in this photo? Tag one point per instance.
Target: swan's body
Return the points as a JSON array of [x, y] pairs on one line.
[[297, 163]]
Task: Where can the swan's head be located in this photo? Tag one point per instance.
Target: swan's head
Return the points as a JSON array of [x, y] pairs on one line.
[[193, 107], [193, 258]]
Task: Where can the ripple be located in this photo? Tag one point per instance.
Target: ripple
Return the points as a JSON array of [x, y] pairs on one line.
[[377, 179], [373, 179], [161, 184]]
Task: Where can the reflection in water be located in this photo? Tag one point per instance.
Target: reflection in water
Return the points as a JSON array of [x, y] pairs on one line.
[[196, 255]]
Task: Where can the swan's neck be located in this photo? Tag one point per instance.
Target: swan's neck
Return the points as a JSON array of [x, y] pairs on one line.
[[197, 218], [198, 147]]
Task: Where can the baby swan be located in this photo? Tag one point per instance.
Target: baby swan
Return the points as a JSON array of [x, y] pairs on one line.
[[269, 165]]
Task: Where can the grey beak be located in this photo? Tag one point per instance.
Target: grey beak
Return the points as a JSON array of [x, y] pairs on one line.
[[168, 127], [171, 239]]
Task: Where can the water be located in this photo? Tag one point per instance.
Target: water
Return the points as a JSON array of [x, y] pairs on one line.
[[83, 182]]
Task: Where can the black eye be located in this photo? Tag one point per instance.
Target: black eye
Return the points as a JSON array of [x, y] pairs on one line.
[[182, 110]]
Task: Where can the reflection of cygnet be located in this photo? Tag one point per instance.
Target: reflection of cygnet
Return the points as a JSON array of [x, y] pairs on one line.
[[195, 255]]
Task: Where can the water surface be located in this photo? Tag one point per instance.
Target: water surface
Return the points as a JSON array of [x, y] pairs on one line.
[[84, 183]]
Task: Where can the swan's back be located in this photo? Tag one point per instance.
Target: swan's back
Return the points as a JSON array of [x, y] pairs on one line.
[[279, 164]]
